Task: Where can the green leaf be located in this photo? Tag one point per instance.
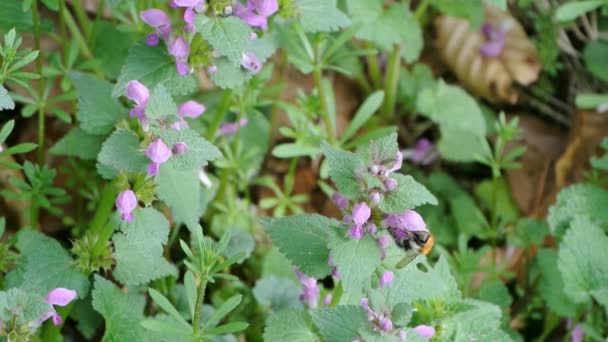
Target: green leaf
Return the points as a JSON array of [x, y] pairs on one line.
[[78, 143], [582, 259], [495, 291], [6, 102], [424, 283], [340, 323], [166, 328], [21, 148], [506, 209], [458, 116], [482, 323], [356, 261], [22, 306], [363, 114], [277, 294], [222, 311], [467, 216], [595, 55], [241, 244], [408, 195], [471, 10], [321, 15], [228, 328], [181, 191], [121, 152], [529, 231], [121, 311], [578, 199], [199, 153], [572, 10], [88, 320], [343, 170], [303, 240], [164, 304], [7, 128], [290, 325], [551, 286], [161, 104], [45, 265], [152, 66], [229, 36], [111, 46], [98, 112], [139, 250]]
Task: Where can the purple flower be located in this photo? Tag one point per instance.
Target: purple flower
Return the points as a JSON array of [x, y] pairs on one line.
[[425, 331], [189, 109], [310, 295], [383, 243], [180, 148], [398, 163], [256, 12], [385, 324], [230, 128], [390, 184], [407, 221], [139, 94], [334, 270], [327, 299], [360, 214], [374, 197], [180, 50], [495, 39], [423, 153], [212, 69], [251, 62], [192, 7], [126, 202], [1, 148], [253, 36], [158, 20], [59, 296], [381, 320], [386, 279], [577, 333], [339, 200], [158, 152]]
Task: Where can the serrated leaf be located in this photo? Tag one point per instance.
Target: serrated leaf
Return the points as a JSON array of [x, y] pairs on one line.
[[343, 167], [408, 195], [229, 36], [88, 320], [356, 261], [139, 250], [121, 311], [480, 323], [321, 15], [78, 143], [6, 102], [161, 104], [340, 323], [277, 294], [121, 152], [578, 199], [181, 191], [495, 291], [551, 286], [582, 259], [303, 240], [111, 46], [241, 244], [22, 306], [529, 231], [290, 325], [435, 283], [45, 265], [150, 66], [98, 112], [199, 153]]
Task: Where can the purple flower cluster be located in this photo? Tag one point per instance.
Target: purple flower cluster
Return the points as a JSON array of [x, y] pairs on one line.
[[256, 12], [59, 296]]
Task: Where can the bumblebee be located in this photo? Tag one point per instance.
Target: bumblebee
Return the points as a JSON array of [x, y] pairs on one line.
[[414, 243]]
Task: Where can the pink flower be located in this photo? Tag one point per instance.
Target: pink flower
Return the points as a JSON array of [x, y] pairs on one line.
[[189, 109], [59, 296], [339, 200], [180, 148], [407, 221], [577, 333], [139, 94], [327, 299], [425, 331], [423, 153], [386, 279], [310, 295], [126, 202], [158, 20], [256, 12], [158, 152], [495, 39], [230, 128], [251, 62], [360, 215], [212, 69], [180, 50], [192, 7], [382, 321]]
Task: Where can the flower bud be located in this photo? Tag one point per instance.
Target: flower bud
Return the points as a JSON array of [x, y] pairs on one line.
[[180, 148], [374, 197], [390, 184], [126, 202], [385, 324], [386, 278]]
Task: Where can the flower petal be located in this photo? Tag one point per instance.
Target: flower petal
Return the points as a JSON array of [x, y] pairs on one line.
[[155, 18], [138, 93], [60, 296], [191, 109], [425, 331], [179, 48]]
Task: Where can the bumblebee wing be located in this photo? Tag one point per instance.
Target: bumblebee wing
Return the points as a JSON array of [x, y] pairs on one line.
[[409, 257]]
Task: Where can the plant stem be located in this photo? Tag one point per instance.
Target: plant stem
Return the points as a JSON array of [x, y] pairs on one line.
[[374, 71], [80, 40], [83, 18], [494, 220], [318, 76], [36, 23], [392, 81], [219, 115], [51, 332], [196, 321], [421, 10], [99, 226]]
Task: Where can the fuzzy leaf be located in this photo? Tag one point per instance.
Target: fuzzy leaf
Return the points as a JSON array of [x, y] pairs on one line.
[[321, 15], [551, 286], [121, 152], [411, 283], [111, 46], [303, 240], [139, 250], [6, 102], [78, 143], [199, 152], [229, 36], [121, 311], [181, 191], [290, 325], [356, 261], [408, 195], [340, 323], [25, 307], [161, 104], [578, 199], [98, 112], [277, 293], [46, 265], [343, 167], [582, 259]]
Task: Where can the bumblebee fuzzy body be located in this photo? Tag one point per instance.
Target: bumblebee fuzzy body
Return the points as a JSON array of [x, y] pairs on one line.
[[413, 243]]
